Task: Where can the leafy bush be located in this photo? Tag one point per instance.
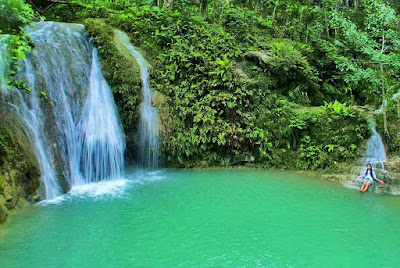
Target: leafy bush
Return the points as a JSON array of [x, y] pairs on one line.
[[245, 25], [286, 70], [14, 15], [334, 137], [311, 137], [74, 12]]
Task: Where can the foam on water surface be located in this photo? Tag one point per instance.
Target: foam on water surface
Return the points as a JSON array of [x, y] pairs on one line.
[[115, 188]]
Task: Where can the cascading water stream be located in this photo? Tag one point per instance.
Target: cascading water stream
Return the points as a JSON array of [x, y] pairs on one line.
[[5, 59], [100, 137], [375, 153], [69, 114], [28, 107], [149, 120]]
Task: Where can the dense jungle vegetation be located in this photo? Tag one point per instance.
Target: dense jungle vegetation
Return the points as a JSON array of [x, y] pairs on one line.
[[277, 83]]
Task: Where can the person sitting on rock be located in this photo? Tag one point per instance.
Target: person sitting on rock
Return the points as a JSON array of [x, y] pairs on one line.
[[369, 177]]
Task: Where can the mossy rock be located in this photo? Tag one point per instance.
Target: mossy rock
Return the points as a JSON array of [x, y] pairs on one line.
[[19, 169], [1, 185], [3, 210]]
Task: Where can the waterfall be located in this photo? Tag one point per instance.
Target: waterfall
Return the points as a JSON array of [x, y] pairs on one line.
[[100, 135], [69, 114], [148, 134], [28, 107], [5, 59], [375, 153]]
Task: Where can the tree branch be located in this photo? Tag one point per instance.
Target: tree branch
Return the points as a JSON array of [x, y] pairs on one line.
[[58, 1]]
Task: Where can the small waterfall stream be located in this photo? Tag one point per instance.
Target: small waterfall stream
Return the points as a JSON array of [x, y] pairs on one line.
[[70, 114], [375, 153], [5, 59], [149, 120]]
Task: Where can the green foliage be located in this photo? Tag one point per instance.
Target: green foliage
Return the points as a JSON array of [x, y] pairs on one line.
[[75, 11], [110, 4], [311, 138], [14, 14], [244, 25], [194, 69], [6, 145], [1, 185], [286, 70], [335, 136], [245, 80], [392, 141], [216, 117], [4, 150], [365, 49], [19, 45]]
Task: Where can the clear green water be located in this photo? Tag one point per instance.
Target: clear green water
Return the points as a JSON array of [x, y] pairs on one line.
[[187, 218]]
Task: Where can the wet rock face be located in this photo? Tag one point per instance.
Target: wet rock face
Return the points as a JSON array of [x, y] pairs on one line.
[[346, 174], [393, 164], [19, 169]]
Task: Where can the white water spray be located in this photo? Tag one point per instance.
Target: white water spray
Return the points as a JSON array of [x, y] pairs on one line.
[[100, 136], [375, 153]]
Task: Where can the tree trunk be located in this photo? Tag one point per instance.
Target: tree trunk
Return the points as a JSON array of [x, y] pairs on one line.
[[351, 93], [203, 8], [274, 12], [57, 2], [398, 108], [326, 23]]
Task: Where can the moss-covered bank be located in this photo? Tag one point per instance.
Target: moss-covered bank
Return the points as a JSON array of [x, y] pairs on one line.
[[19, 170]]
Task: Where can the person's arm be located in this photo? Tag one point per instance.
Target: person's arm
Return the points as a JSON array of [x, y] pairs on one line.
[[381, 181], [358, 176]]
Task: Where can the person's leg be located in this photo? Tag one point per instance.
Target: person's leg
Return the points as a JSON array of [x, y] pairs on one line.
[[366, 187], [362, 186]]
